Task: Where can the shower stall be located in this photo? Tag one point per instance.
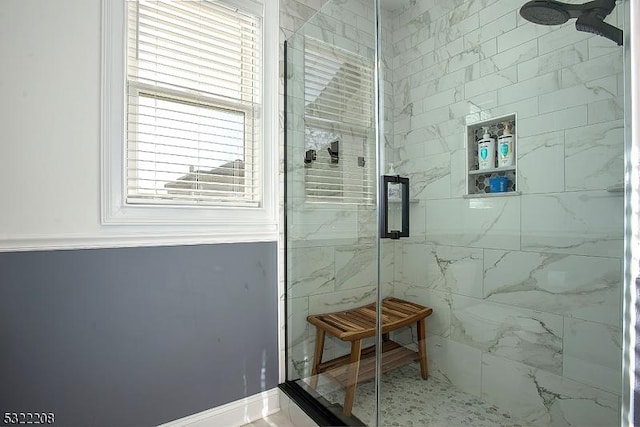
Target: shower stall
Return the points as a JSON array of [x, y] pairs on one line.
[[469, 158]]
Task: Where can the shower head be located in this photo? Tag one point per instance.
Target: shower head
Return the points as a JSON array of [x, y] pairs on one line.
[[590, 16], [545, 12]]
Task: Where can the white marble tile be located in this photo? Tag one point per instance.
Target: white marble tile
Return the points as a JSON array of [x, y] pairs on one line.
[[462, 109], [473, 118], [458, 173], [491, 81], [311, 271], [521, 34], [550, 122], [599, 46], [509, 58], [441, 99], [455, 363], [451, 49], [409, 49], [595, 156], [294, 14], [532, 87], [498, 9], [439, 323], [593, 354], [459, 23], [527, 336], [406, 68], [622, 84], [490, 30], [560, 37], [417, 219], [596, 90], [367, 223], [423, 13], [554, 60], [484, 101], [356, 266], [488, 223], [430, 176], [309, 221], [606, 110], [427, 118], [541, 163], [446, 80], [341, 300], [463, 59], [300, 358], [593, 69], [297, 325], [488, 48], [581, 223], [455, 269], [443, 130], [577, 286], [411, 263], [300, 338], [543, 398], [411, 144]]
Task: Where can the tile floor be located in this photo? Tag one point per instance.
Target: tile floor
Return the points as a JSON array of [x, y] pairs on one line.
[[407, 400]]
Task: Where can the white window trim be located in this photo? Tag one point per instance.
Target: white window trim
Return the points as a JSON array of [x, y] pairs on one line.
[[246, 223]]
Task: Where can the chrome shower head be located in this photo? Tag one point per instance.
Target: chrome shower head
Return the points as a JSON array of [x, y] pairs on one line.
[[590, 16]]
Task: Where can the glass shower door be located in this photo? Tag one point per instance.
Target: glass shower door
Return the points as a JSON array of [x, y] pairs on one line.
[[518, 249], [331, 222], [511, 135]]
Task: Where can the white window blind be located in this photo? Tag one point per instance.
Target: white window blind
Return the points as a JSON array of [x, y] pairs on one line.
[[338, 93], [193, 104]]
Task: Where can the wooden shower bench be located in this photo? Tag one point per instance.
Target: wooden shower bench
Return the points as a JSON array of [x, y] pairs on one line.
[[358, 324]]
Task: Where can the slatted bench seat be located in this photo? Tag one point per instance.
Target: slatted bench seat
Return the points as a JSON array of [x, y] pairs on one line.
[[360, 323]]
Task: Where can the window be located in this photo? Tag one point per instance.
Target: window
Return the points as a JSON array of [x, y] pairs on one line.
[[192, 140], [338, 96], [193, 85]]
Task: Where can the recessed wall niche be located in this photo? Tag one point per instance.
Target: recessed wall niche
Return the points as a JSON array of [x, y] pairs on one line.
[[492, 162]]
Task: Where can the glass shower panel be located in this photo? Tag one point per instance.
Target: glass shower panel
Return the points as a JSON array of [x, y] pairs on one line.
[[331, 221], [520, 258]]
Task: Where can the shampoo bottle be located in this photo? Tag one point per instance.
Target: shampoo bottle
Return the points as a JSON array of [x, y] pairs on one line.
[[486, 151], [505, 146]]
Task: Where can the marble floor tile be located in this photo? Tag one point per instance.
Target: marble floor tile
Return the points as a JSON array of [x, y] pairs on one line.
[[408, 400]]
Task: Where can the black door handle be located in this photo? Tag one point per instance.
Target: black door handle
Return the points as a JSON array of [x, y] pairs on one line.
[[403, 183]]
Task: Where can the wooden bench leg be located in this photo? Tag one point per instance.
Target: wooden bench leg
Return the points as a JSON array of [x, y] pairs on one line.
[[422, 348], [352, 381], [317, 357]]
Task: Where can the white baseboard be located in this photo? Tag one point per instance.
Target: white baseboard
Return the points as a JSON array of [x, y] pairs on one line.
[[234, 414]]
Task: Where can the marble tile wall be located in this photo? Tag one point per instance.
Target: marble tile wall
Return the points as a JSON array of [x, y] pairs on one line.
[[526, 289]]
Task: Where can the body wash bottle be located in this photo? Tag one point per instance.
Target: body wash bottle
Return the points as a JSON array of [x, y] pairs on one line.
[[486, 151], [505, 146]]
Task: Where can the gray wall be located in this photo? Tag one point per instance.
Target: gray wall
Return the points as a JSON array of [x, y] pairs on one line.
[[136, 336]]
